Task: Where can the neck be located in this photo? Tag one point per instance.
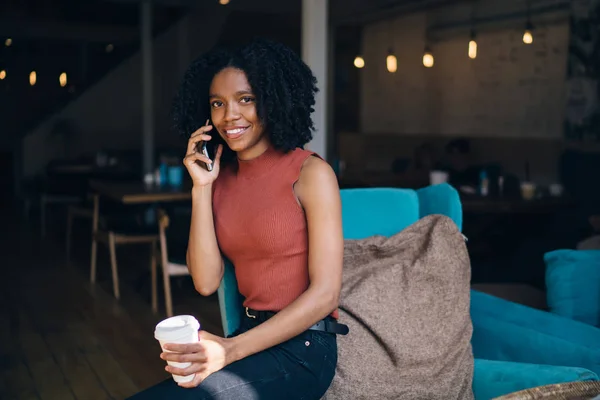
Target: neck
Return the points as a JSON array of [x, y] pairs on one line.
[[255, 151], [259, 165]]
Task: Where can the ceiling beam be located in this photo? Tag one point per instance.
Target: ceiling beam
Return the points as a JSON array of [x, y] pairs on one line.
[[77, 32], [360, 12], [270, 6]]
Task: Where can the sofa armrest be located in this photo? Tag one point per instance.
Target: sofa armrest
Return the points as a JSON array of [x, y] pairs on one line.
[[230, 301], [496, 378], [441, 199], [507, 331]]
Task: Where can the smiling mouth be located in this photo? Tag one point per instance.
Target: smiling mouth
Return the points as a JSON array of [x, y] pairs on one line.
[[236, 132]]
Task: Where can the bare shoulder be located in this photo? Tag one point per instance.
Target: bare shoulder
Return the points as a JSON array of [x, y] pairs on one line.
[[317, 179]]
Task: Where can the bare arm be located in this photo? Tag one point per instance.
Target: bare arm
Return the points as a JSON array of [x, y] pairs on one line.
[[203, 257], [318, 192]]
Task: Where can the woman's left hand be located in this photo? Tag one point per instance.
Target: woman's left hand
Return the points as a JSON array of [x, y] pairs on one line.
[[207, 356]]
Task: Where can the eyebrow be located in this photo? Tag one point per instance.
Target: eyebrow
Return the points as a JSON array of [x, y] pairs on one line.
[[238, 93]]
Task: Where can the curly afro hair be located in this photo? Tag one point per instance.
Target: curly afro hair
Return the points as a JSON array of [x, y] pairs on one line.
[[283, 84]]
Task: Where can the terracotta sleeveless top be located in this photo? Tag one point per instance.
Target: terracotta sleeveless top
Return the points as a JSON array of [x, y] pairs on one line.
[[261, 228]]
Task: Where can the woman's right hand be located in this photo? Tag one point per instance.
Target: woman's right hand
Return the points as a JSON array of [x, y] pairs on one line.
[[193, 159]]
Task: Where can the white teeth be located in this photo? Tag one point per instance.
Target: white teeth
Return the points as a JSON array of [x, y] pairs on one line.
[[235, 131]]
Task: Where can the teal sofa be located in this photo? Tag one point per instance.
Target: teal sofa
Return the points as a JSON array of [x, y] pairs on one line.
[[511, 353]]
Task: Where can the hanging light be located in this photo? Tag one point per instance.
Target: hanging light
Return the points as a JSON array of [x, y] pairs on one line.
[[2, 75], [62, 79], [32, 78], [428, 58], [223, 2], [359, 62], [8, 42], [473, 46], [528, 34], [391, 62]]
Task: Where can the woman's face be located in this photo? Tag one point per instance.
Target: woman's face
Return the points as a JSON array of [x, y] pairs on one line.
[[234, 114]]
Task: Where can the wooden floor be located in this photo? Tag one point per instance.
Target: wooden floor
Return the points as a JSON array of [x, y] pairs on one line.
[[62, 338]]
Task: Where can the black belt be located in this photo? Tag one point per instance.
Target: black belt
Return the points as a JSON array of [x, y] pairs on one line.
[[325, 325]]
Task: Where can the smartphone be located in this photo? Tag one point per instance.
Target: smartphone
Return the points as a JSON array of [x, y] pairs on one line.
[[202, 148]]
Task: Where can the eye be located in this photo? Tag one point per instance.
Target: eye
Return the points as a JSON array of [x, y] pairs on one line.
[[216, 104], [247, 99]]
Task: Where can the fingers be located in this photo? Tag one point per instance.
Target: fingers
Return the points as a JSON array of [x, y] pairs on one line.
[[198, 136], [192, 369], [193, 157], [218, 155], [184, 357], [194, 382], [184, 347], [201, 131]]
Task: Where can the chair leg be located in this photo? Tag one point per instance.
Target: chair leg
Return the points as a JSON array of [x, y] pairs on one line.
[[94, 240], [167, 285], [43, 216], [113, 264], [93, 260], [68, 238], [153, 273]]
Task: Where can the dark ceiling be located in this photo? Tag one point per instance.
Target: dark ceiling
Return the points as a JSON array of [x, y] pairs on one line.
[[86, 38]]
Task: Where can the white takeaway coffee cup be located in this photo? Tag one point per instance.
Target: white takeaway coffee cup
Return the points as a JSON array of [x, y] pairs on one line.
[[438, 177], [179, 329]]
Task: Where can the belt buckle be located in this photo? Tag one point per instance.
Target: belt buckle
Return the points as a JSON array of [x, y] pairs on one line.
[[249, 315]]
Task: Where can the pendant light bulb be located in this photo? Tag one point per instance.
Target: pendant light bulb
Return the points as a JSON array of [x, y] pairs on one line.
[[391, 62], [359, 62], [473, 46], [528, 34], [428, 59]]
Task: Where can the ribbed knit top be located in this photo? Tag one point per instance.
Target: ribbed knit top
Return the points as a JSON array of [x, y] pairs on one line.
[[261, 228]]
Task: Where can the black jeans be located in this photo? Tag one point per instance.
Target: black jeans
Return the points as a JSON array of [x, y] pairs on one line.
[[301, 368]]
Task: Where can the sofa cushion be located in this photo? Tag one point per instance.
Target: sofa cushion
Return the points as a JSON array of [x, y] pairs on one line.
[[507, 331], [498, 378], [377, 211], [406, 301], [573, 284]]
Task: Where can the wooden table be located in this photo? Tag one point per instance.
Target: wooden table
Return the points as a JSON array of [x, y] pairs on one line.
[[491, 205], [130, 193], [139, 193]]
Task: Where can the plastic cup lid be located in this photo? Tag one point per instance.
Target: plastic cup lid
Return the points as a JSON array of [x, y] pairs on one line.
[[176, 327]]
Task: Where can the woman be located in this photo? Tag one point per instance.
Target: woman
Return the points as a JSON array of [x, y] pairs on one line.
[[271, 208]]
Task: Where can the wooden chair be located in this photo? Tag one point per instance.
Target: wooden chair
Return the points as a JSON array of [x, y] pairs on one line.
[[112, 238], [84, 211], [170, 266]]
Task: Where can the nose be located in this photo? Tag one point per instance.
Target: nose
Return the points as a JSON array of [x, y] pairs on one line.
[[232, 112]]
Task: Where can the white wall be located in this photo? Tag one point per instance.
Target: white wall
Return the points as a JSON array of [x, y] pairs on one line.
[[109, 114], [509, 90]]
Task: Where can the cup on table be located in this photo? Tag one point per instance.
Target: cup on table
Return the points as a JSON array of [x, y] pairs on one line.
[[175, 175], [180, 329], [438, 177], [556, 190], [528, 190]]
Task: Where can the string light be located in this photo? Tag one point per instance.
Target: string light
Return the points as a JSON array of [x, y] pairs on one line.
[[359, 62], [473, 46], [8, 42], [391, 62], [428, 59], [224, 2], [32, 78], [528, 34], [62, 79], [2, 75]]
